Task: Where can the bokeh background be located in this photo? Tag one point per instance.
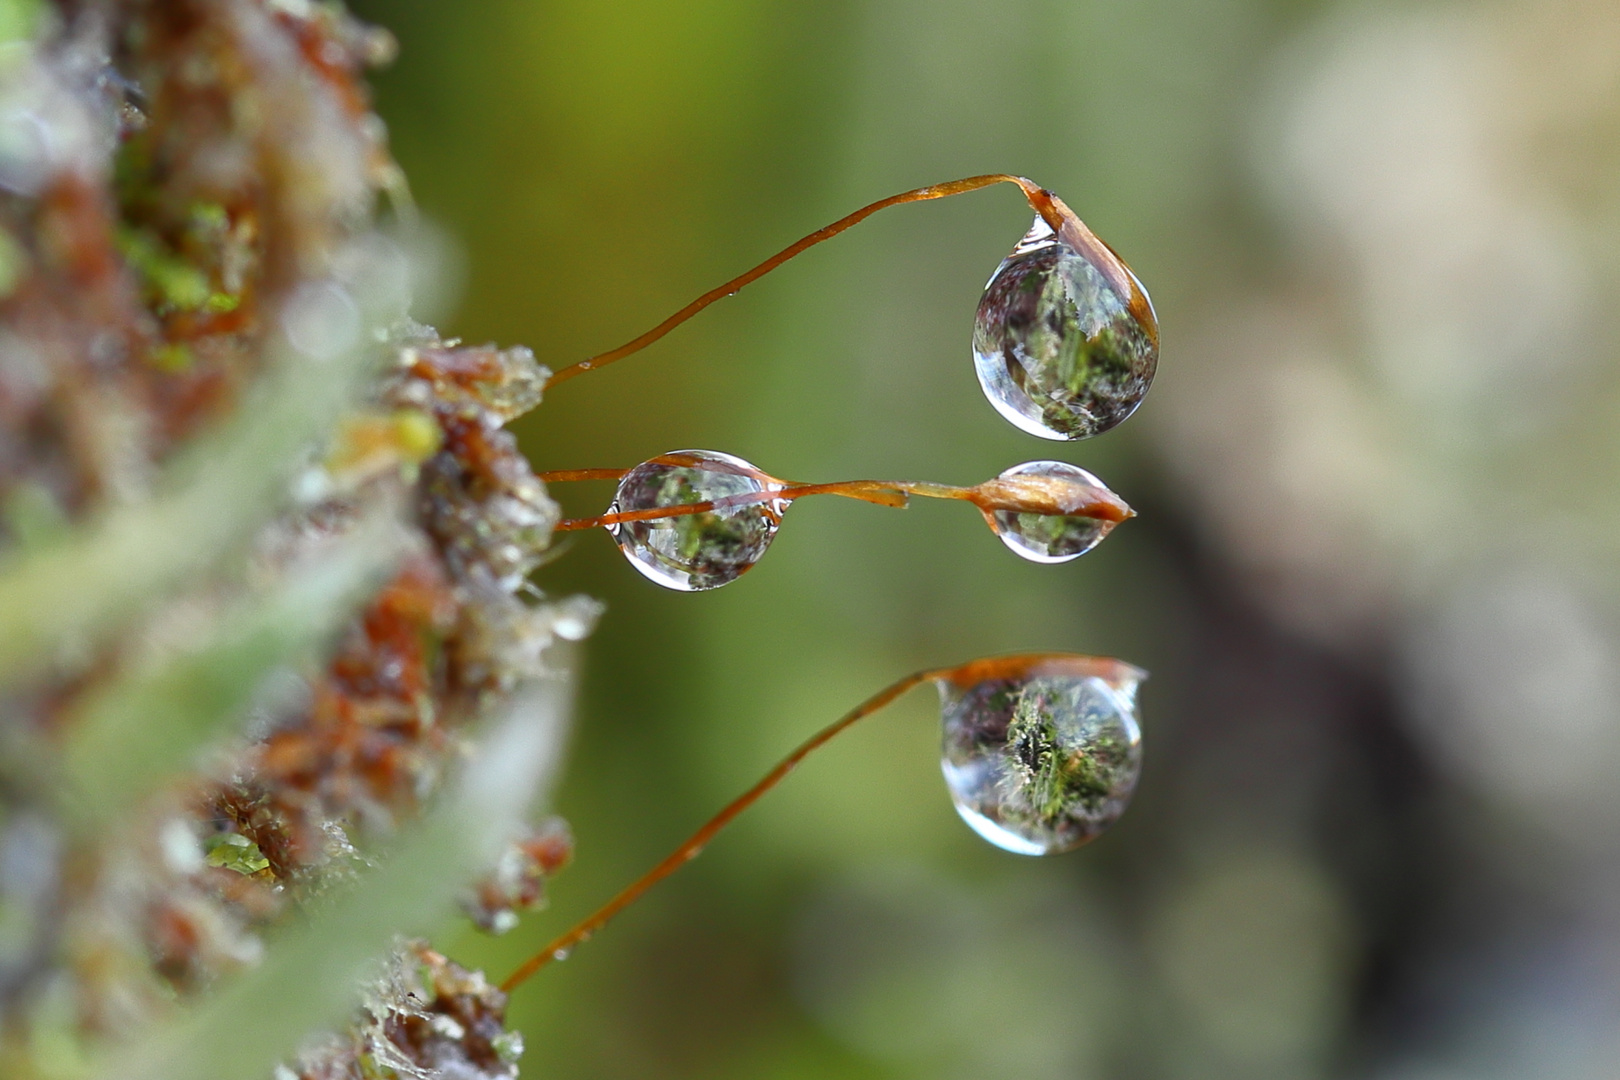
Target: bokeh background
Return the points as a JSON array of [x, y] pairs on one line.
[[1374, 574]]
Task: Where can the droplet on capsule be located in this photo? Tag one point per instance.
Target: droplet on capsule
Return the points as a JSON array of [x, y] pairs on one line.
[[1043, 759], [1041, 535], [1065, 341], [704, 550]]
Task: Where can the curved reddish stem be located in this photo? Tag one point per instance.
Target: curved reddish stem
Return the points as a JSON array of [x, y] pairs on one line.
[[695, 843], [562, 476], [974, 671], [880, 492], [1038, 198]]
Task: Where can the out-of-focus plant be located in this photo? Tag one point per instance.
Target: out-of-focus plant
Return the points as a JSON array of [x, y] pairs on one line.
[[276, 689]]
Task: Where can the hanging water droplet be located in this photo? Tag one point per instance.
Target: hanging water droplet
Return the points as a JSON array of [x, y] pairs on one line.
[[1054, 538], [1042, 760], [1065, 341], [705, 550]]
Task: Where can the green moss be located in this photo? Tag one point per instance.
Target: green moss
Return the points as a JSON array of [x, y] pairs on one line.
[[171, 283], [209, 217], [508, 1046], [372, 1069], [234, 851], [173, 358]]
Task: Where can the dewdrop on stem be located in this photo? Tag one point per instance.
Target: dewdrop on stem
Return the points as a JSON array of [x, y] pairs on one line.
[[1047, 537], [1065, 340], [1041, 755], [697, 551], [693, 520], [1041, 760]]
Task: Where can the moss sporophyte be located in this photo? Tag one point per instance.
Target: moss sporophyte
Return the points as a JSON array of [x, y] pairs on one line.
[[193, 194], [1082, 705], [698, 519]]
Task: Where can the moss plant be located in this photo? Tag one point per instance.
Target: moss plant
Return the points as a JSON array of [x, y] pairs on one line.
[[275, 690]]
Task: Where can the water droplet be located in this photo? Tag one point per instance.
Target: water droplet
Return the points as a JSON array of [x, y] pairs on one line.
[[574, 617], [1052, 538], [692, 552], [1042, 760], [1065, 341], [562, 954], [321, 320], [25, 151]]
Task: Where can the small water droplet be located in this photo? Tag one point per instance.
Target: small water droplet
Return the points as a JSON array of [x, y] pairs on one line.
[[321, 320], [1065, 341], [1045, 760], [693, 552], [1050, 538], [25, 151], [561, 954], [574, 617]]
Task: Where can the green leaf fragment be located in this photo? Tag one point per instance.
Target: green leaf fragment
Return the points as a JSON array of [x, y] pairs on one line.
[[233, 851], [175, 283]]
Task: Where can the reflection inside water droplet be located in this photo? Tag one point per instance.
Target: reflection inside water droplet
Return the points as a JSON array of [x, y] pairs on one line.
[[1042, 763], [693, 552], [1050, 538], [1064, 342]]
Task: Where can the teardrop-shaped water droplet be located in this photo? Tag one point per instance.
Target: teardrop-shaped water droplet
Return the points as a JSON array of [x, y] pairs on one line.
[[1051, 538], [1065, 341], [1043, 760], [692, 552]]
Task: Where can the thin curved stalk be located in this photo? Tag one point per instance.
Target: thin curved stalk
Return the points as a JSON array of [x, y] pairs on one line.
[[694, 844], [1034, 193], [968, 674]]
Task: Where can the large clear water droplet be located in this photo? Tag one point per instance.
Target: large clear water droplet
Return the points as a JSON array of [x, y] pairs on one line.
[[1051, 538], [693, 552], [1044, 760], [1065, 341]]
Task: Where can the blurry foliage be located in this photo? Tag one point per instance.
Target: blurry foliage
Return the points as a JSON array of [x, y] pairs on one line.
[[274, 693]]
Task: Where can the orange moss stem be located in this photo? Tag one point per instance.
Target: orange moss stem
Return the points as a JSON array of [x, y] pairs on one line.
[[562, 476], [989, 497], [964, 675], [880, 492], [695, 844], [1038, 198]]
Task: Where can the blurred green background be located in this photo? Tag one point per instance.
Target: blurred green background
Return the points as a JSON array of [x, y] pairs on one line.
[[1373, 576]]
